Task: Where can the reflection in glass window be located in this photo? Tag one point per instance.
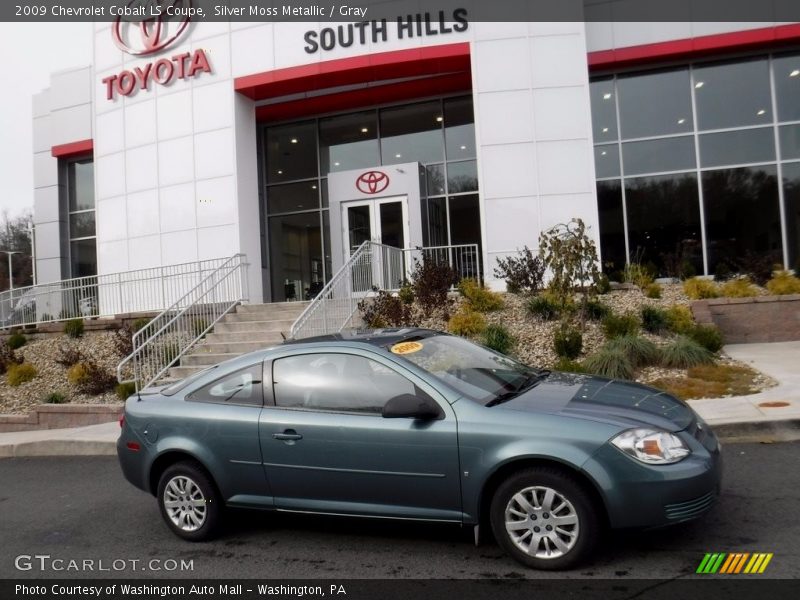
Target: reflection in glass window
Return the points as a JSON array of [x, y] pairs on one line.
[[83, 257], [742, 214], [654, 156], [291, 197], [80, 175], [241, 387], [604, 110], [606, 161], [664, 223], [348, 142], [435, 180], [653, 104], [434, 222], [612, 226], [295, 243], [412, 133], [791, 197], [790, 141], [787, 87], [81, 224], [291, 152], [737, 147], [465, 228], [459, 129], [462, 177], [733, 94]]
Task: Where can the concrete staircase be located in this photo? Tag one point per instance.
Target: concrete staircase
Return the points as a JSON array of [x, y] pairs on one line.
[[250, 327]]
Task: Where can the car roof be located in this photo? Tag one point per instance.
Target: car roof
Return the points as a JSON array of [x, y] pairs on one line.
[[376, 337]]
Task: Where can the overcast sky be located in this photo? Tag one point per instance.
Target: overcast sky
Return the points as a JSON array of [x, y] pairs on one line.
[[30, 51]]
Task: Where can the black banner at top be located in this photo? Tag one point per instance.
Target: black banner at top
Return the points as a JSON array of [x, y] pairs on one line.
[[762, 11]]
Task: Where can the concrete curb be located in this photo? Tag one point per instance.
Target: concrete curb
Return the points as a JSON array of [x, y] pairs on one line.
[[782, 430]]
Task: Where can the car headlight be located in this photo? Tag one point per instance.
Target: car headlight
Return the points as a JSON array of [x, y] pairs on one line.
[[651, 446]]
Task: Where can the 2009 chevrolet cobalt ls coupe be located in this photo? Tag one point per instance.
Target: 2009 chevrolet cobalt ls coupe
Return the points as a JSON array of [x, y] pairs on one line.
[[418, 424]]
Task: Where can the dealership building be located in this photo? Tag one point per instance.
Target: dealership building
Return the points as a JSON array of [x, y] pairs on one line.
[[678, 144]]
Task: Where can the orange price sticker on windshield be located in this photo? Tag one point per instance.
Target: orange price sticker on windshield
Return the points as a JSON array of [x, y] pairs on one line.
[[406, 347]]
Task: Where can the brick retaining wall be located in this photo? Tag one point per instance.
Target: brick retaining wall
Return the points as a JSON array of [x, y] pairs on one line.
[[751, 320], [60, 416]]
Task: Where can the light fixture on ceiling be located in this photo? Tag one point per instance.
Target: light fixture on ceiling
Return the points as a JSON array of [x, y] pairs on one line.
[[761, 112], [699, 84], [606, 96], [313, 187], [280, 172], [794, 73], [605, 129], [463, 147], [336, 164], [681, 121], [603, 153], [294, 140], [364, 129], [398, 156], [439, 119]]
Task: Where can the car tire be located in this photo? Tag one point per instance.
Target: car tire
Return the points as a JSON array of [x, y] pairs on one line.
[[544, 519], [189, 502]]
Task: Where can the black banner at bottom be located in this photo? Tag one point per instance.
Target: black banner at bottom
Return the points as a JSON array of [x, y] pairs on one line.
[[726, 588]]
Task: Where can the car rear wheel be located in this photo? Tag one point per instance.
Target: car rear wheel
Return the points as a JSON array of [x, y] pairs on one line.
[[188, 501], [544, 519]]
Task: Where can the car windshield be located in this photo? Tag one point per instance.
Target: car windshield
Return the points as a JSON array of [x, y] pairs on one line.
[[476, 372]]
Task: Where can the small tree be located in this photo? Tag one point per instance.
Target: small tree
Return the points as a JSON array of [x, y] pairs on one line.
[[571, 256], [522, 273]]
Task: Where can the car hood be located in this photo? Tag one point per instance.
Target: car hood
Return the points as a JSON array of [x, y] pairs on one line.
[[624, 403]]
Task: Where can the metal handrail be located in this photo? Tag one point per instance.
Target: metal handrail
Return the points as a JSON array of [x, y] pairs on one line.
[[165, 339], [371, 267]]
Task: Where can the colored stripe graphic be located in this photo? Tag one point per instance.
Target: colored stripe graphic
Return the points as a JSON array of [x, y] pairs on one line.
[[734, 563], [710, 563]]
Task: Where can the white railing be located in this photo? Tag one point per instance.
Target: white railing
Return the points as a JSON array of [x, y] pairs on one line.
[[375, 267], [164, 340], [142, 290]]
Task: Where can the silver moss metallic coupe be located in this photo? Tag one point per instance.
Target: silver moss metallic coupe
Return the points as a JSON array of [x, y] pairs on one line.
[[417, 424]]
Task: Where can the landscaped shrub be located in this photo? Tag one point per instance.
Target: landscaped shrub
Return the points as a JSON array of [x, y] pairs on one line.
[[16, 340], [406, 293], [498, 338], [543, 306], [783, 282], [603, 284], [680, 319], [653, 291], [91, 378], [77, 373], [68, 355], [759, 265], [639, 350], [480, 298], [738, 288], [466, 322], [683, 352], [123, 340], [140, 323], [567, 342], [596, 310], [654, 319], [708, 336], [384, 310], [609, 362], [523, 273], [619, 325], [431, 281], [637, 274], [74, 328], [7, 357], [125, 390], [568, 366], [698, 288], [54, 398], [199, 325], [18, 374]]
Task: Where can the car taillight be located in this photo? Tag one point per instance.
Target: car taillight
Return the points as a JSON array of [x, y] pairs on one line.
[[122, 420]]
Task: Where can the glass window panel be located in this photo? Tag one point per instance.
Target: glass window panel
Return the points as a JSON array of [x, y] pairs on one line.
[[435, 179], [326, 231], [654, 156], [295, 244], [604, 110], [324, 195], [737, 147], [83, 258], [655, 103], [787, 87], [435, 226], [791, 198], [348, 142], [292, 197], [81, 185], [606, 160], [412, 133], [390, 215], [81, 224], [465, 228], [664, 223], [733, 94], [462, 177], [790, 141], [741, 214], [459, 129], [612, 226], [291, 152], [242, 387], [359, 225]]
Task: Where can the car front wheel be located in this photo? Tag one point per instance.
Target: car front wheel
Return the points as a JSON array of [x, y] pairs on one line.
[[544, 519], [188, 501]]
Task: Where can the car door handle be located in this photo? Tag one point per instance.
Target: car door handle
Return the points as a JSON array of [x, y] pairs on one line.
[[289, 434]]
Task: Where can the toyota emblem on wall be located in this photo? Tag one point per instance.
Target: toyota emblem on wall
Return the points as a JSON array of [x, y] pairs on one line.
[[372, 182], [159, 24]]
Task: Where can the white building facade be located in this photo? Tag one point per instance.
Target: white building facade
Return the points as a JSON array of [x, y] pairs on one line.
[[292, 142]]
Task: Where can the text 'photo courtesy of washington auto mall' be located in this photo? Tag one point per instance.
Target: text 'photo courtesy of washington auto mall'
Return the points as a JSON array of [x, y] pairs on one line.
[[391, 299]]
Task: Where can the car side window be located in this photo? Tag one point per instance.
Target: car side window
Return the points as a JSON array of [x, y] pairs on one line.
[[336, 382], [244, 386]]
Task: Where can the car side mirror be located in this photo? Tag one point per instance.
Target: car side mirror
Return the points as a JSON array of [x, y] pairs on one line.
[[409, 406]]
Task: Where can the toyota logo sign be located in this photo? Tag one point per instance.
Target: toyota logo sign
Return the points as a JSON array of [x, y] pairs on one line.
[[372, 182], [165, 23]]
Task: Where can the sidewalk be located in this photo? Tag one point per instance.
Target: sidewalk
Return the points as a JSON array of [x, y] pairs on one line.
[[738, 416]]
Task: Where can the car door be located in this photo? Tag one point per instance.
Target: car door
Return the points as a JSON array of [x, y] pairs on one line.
[[327, 448]]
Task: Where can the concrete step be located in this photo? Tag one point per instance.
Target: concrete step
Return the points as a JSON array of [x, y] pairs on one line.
[[282, 317], [231, 347], [274, 308], [262, 326], [182, 372], [266, 337], [206, 358]]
